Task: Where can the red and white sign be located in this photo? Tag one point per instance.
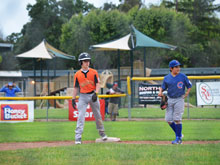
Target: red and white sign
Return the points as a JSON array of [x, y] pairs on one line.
[[16, 111], [208, 93], [73, 113]]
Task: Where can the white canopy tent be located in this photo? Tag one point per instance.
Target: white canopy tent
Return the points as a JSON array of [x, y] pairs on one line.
[[47, 52], [119, 44], [116, 45], [40, 51]]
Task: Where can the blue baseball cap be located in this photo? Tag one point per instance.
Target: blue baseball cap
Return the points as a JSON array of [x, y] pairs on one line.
[[174, 63], [10, 84]]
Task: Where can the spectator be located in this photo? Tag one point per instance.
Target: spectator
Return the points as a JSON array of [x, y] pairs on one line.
[[106, 103], [114, 101], [10, 89]]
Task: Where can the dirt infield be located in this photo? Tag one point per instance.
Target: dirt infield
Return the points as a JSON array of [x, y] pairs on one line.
[[26, 145]]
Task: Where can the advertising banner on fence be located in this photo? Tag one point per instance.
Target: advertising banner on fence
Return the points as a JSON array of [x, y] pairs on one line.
[[208, 93], [16, 111], [148, 94], [73, 113]]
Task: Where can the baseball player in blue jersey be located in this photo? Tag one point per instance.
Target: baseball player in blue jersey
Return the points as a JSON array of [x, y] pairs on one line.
[[175, 83]]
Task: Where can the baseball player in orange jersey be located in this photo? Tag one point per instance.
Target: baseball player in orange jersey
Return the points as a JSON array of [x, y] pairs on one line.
[[86, 80]]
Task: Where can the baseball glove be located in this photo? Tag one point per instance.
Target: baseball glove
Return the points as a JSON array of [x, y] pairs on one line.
[[94, 97], [163, 103], [73, 103]]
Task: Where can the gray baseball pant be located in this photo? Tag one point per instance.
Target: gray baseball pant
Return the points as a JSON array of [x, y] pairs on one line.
[[84, 99], [175, 109]]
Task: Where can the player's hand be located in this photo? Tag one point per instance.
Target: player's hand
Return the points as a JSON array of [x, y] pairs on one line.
[[185, 96], [73, 103], [160, 94], [163, 103], [94, 97]]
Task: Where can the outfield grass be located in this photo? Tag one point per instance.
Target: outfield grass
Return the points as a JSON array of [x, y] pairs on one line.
[[127, 130], [195, 113], [109, 154], [114, 153]]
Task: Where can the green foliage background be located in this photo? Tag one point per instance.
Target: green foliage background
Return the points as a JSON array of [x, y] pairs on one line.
[[74, 26]]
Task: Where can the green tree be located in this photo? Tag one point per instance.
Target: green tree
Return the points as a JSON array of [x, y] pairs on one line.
[[126, 5], [202, 15], [166, 26], [47, 18], [96, 27], [109, 6]]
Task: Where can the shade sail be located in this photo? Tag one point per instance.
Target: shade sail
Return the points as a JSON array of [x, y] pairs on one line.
[[58, 53], [40, 51], [45, 51], [119, 44], [145, 41]]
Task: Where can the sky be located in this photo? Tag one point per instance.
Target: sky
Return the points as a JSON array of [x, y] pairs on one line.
[[13, 13]]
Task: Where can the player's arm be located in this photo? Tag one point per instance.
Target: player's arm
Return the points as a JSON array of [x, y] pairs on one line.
[[189, 86], [97, 87], [17, 89], [75, 87], [160, 92], [75, 91], [97, 83], [162, 88], [3, 89], [187, 92]]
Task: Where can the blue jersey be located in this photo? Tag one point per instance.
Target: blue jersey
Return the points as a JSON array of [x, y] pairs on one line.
[[176, 85], [10, 92]]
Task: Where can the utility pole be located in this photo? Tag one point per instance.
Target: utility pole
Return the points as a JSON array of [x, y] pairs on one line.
[[176, 5]]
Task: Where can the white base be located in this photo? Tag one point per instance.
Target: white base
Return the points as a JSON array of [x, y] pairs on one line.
[[109, 140]]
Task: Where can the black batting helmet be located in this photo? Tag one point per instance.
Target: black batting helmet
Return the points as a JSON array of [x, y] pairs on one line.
[[84, 56]]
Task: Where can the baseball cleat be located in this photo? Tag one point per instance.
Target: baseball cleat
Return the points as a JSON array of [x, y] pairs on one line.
[[104, 137], [177, 141], [78, 142]]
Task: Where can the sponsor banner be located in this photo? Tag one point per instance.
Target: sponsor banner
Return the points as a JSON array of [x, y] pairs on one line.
[[73, 113], [208, 93], [148, 94], [16, 111]]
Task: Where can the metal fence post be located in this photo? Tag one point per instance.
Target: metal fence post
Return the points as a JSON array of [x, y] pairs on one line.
[[188, 107]]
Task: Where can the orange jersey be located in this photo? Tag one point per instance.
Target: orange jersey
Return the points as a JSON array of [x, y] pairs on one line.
[[86, 81]]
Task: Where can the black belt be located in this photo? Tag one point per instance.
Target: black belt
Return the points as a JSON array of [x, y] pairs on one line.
[[88, 92], [174, 97]]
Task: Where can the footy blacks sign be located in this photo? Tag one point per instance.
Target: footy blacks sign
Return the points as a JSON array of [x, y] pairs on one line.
[[148, 94]]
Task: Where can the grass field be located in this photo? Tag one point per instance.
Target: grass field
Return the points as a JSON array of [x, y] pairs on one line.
[[115, 153], [127, 130], [194, 113], [109, 154]]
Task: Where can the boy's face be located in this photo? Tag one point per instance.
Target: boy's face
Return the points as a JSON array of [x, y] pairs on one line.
[[85, 63], [10, 87], [175, 70]]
